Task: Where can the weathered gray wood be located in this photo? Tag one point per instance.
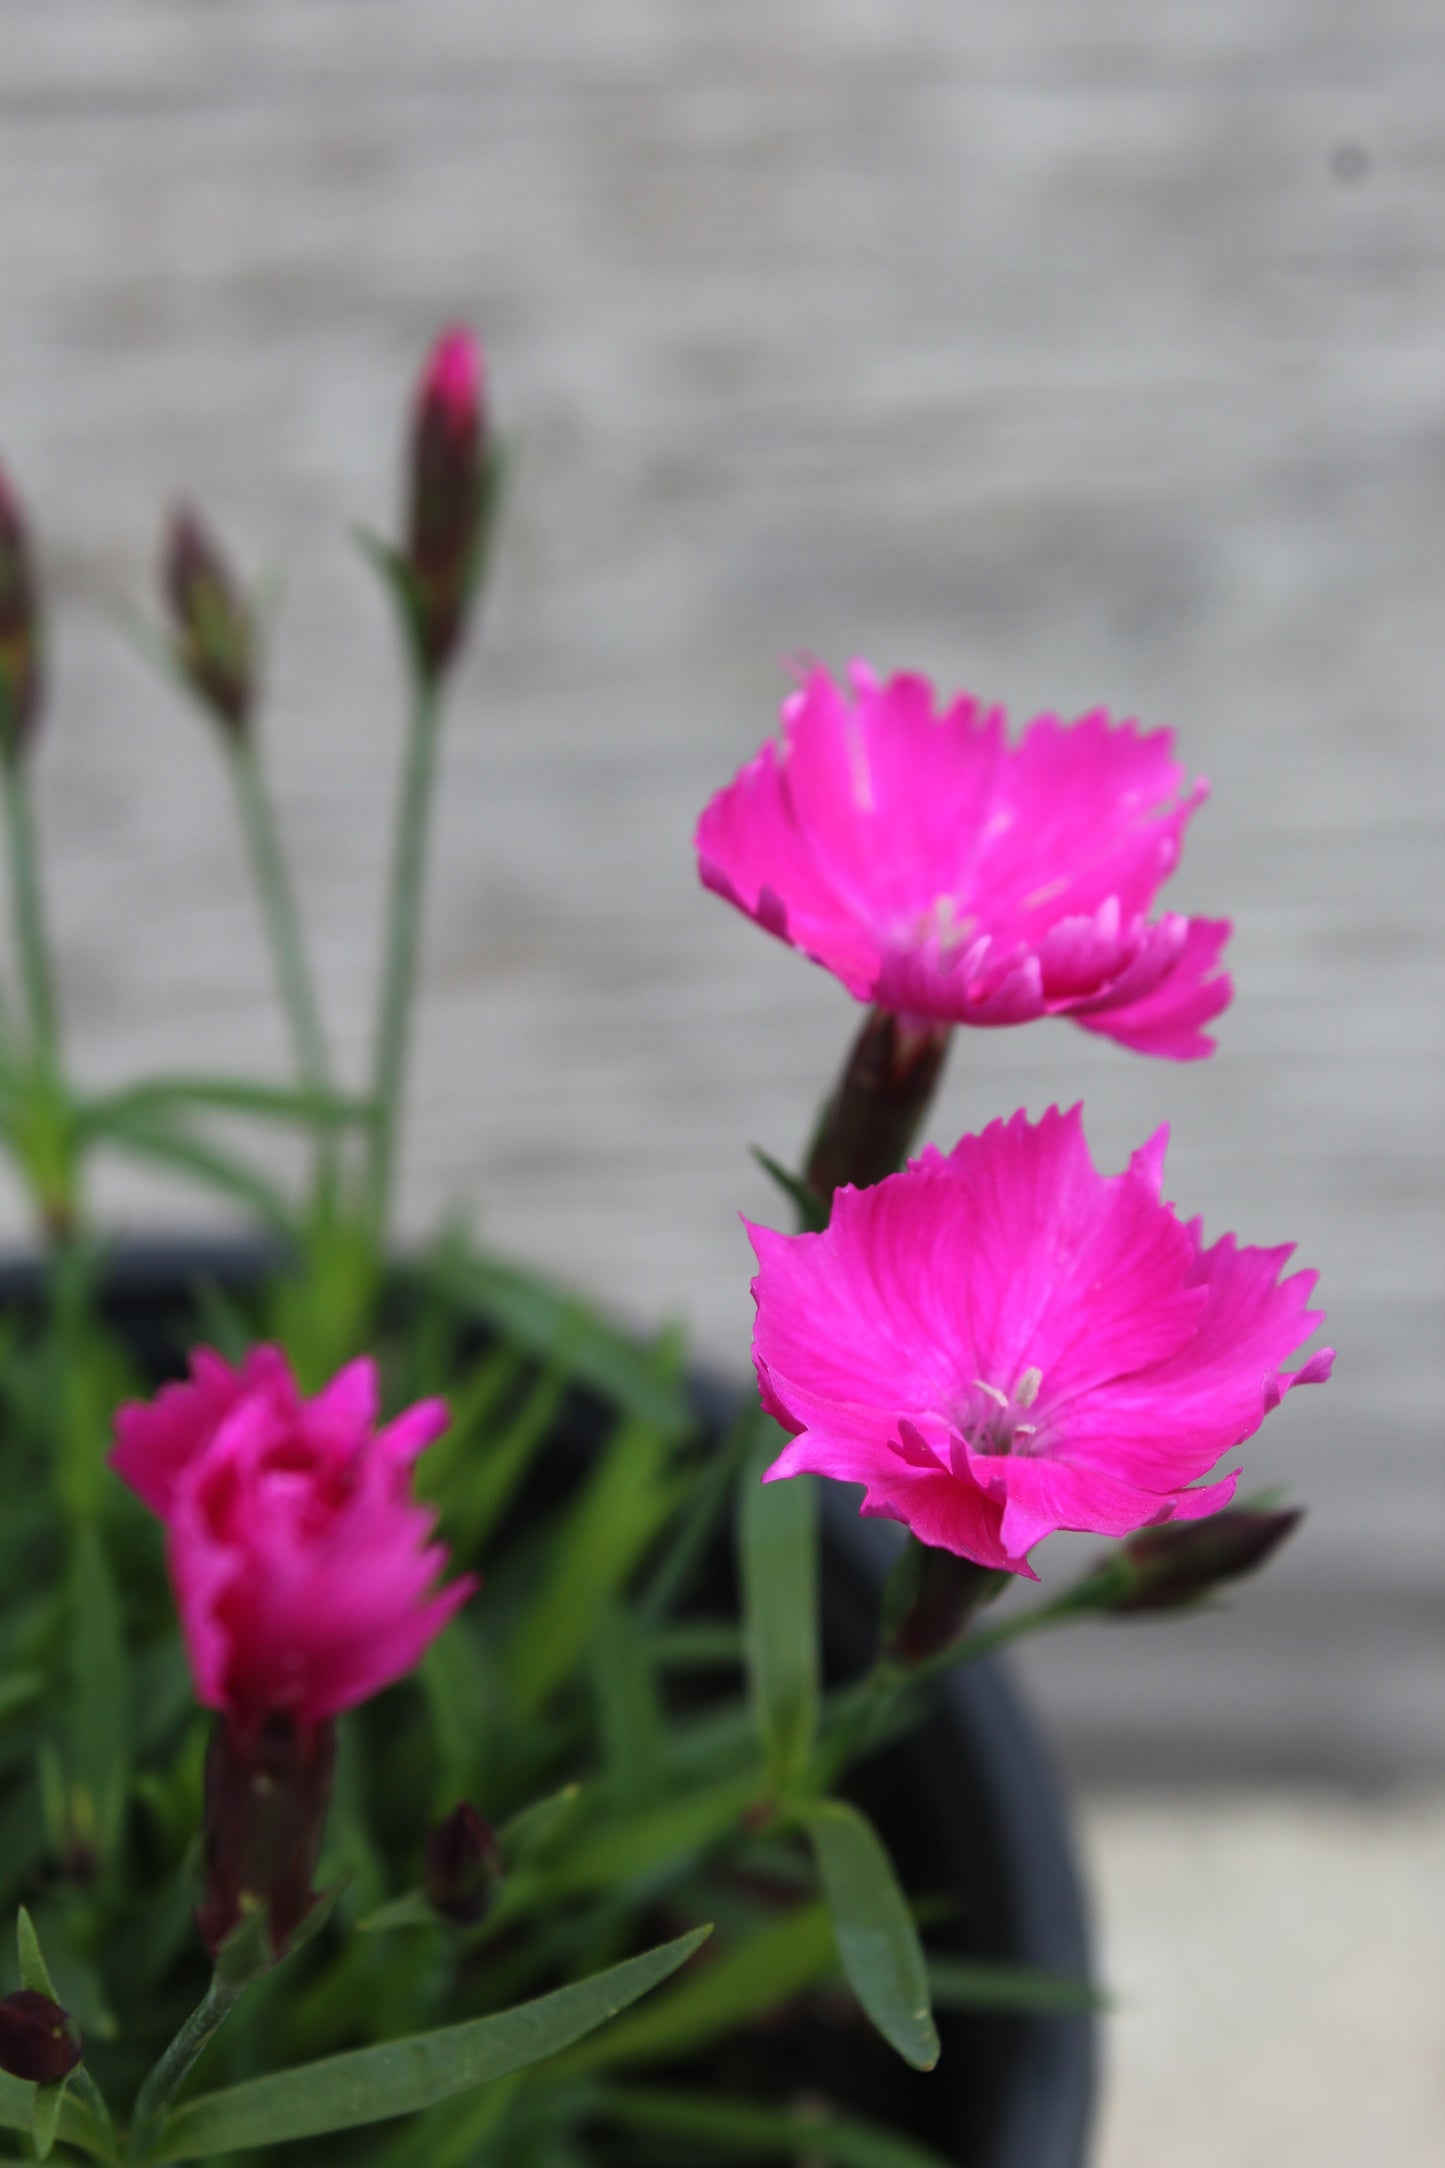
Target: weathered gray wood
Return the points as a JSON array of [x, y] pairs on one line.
[[1077, 355]]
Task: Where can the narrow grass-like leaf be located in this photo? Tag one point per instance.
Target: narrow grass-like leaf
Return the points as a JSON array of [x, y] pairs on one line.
[[78, 2127], [778, 1556], [713, 1486], [718, 2125], [629, 1715], [45, 2116], [623, 1504], [370, 2085], [535, 1830], [225, 1095], [530, 1310], [168, 1144], [958, 1983], [655, 1842], [481, 1489], [751, 1980], [99, 1743], [34, 1972], [877, 1937], [415, 1909]]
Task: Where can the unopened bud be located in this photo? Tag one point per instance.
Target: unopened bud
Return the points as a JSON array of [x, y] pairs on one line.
[[38, 2041], [20, 642], [463, 1866], [930, 1600], [210, 622], [267, 1791], [448, 487], [879, 1103], [1183, 1562]]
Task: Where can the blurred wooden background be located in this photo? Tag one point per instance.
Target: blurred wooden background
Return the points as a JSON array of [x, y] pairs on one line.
[[1077, 356]]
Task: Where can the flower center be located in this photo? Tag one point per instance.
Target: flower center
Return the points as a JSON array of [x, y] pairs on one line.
[[993, 1421]]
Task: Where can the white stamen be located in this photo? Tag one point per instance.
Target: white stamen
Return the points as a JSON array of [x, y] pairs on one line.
[[1027, 1390], [993, 1392]]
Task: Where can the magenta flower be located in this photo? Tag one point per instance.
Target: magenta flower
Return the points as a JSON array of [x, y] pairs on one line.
[[1003, 1342], [304, 1571], [945, 874]]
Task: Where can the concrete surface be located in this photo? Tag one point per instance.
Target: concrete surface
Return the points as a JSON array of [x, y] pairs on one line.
[[1276, 1962]]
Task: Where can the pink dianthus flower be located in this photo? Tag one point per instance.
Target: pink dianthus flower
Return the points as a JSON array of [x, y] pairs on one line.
[[1003, 1342], [303, 1568], [945, 874]]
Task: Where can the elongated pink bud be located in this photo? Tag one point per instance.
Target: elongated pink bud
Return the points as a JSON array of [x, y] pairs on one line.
[[20, 628], [447, 490], [210, 623]]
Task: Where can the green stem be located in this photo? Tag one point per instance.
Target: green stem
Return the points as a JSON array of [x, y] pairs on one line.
[[403, 931], [866, 1707], [294, 981], [29, 914], [178, 2061]]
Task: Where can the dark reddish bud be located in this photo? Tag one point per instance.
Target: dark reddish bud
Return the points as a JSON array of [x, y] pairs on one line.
[[210, 622], [879, 1103], [1169, 1568], [448, 486], [931, 1599], [38, 2041], [20, 642], [267, 1791], [463, 1866]]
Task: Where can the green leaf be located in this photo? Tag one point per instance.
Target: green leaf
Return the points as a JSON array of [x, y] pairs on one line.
[[877, 1939], [629, 1715], [688, 1541], [641, 1847], [778, 1556], [725, 2125], [226, 1095], [625, 1501], [533, 1832], [78, 2126], [484, 1481], [170, 1145], [45, 2116], [960, 1983], [539, 1316], [404, 2076], [812, 1210], [413, 1910], [34, 1973], [99, 1742], [748, 1981]]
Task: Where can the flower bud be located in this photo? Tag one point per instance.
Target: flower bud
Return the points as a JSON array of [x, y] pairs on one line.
[[210, 623], [880, 1100], [463, 1866], [447, 494], [930, 1601], [20, 674], [267, 1791], [1183, 1562], [38, 2041]]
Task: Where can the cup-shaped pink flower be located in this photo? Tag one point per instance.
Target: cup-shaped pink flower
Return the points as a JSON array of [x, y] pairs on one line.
[[944, 873], [1002, 1342], [304, 1570]]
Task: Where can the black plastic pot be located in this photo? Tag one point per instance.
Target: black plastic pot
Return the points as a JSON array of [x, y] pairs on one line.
[[967, 1803]]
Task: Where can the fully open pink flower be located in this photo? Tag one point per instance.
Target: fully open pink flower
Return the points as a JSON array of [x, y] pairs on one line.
[[304, 1570], [943, 873], [1003, 1342]]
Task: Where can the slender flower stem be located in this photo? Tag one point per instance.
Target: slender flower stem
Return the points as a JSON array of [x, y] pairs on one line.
[[402, 940], [179, 2059], [867, 1706], [29, 914], [294, 980]]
